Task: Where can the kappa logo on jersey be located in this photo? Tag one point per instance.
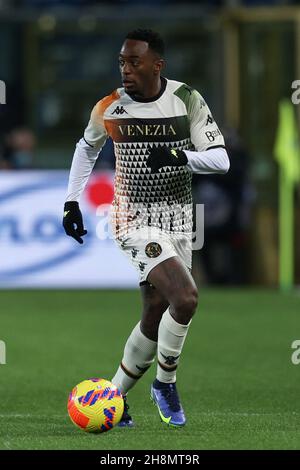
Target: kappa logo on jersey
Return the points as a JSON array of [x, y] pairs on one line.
[[209, 120], [119, 110]]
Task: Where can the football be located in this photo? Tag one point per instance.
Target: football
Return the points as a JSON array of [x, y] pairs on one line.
[[95, 405]]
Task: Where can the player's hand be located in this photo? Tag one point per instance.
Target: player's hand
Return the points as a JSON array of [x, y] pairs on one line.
[[165, 156], [72, 221]]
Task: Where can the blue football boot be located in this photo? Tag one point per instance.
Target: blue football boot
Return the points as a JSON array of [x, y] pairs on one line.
[[126, 420], [165, 397]]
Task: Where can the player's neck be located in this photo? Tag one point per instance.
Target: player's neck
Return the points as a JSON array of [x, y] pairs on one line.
[[152, 93], [153, 90]]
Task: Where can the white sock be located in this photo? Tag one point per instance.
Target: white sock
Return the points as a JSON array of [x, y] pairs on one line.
[[171, 337], [139, 354]]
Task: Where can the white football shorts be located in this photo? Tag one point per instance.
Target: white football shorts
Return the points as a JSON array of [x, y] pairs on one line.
[[146, 247]]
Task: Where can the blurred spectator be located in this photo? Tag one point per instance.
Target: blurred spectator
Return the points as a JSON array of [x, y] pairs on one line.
[[18, 151], [227, 203]]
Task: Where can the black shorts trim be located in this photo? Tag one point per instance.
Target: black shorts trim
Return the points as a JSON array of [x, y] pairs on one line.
[[144, 283]]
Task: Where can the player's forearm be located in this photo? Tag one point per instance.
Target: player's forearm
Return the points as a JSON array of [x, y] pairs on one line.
[[83, 162], [214, 160]]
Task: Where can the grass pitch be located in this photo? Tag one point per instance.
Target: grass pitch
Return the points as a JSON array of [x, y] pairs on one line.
[[237, 383]]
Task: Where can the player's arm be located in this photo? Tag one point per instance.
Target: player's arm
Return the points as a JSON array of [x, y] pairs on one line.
[[210, 155], [85, 156]]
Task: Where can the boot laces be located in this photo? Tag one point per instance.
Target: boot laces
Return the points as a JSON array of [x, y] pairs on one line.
[[171, 396]]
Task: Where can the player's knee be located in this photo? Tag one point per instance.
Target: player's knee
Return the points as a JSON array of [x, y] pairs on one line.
[[192, 301], [186, 304]]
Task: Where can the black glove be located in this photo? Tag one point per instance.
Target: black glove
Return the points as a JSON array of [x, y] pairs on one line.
[[72, 218], [165, 156]]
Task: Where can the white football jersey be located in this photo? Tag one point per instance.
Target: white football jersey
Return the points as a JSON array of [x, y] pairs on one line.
[[177, 117]]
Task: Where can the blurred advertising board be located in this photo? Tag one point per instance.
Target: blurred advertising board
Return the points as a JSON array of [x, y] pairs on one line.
[[34, 249]]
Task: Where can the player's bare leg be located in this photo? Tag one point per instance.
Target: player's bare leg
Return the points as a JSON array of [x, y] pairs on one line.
[[175, 283], [154, 306]]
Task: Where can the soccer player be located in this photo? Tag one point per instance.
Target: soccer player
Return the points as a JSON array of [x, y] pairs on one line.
[[163, 131]]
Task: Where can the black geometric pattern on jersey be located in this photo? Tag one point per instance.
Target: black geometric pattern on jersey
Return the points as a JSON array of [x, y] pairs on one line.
[[162, 200]]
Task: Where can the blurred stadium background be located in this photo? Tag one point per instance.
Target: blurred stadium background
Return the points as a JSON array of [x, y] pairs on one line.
[[57, 58]]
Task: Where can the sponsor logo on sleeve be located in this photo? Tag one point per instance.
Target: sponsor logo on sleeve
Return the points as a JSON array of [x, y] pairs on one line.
[[211, 135]]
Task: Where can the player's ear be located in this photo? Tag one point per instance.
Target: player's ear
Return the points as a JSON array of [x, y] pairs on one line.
[[158, 65]]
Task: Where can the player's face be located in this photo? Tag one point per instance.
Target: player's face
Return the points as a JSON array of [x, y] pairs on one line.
[[139, 67]]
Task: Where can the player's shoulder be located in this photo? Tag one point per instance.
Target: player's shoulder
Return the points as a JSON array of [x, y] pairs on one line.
[[116, 98], [174, 85], [184, 92], [107, 101]]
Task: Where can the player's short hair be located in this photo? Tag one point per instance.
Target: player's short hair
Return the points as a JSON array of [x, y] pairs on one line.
[[153, 38]]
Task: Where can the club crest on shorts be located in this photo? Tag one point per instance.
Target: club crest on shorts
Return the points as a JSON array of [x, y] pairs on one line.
[[153, 250]]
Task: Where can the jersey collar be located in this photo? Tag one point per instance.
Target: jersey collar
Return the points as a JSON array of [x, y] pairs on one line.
[[154, 98]]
